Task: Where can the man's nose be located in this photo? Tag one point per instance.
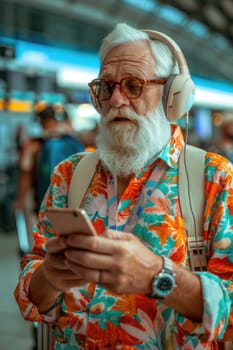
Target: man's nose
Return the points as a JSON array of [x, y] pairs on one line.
[[118, 97]]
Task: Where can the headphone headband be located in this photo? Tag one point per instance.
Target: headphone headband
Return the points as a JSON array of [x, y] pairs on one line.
[[177, 52], [178, 93]]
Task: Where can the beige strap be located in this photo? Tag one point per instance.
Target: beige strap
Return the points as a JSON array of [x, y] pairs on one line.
[[191, 186], [81, 179], [191, 189]]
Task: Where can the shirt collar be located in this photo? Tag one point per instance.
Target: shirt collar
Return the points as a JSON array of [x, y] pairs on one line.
[[171, 152]]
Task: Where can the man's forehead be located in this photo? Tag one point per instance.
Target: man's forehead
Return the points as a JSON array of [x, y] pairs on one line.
[[131, 52]]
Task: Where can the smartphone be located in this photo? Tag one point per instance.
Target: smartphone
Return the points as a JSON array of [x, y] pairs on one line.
[[66, 221]]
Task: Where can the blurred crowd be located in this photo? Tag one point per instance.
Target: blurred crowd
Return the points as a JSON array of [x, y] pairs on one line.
[[19, 182]]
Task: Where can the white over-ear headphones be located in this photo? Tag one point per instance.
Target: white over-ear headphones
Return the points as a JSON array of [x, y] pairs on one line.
[[178, 93]]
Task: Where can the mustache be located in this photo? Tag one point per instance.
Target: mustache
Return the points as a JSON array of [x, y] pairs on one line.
[[125, 112]]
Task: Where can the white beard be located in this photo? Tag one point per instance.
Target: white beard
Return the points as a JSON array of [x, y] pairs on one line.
[[125, 147]]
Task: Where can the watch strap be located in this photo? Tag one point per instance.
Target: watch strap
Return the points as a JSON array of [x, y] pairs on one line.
[[167, 264], [167, 276]]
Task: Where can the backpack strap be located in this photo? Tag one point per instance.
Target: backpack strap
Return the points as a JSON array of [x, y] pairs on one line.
[[81, 179], [191, 188], [191, 195], [191, 185]]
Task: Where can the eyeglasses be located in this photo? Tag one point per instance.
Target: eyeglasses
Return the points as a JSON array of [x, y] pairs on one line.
[[130, 87]]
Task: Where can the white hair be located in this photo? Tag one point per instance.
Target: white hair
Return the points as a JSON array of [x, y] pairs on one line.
[[164, 59]]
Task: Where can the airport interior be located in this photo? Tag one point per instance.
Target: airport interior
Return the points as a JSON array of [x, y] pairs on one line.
[[49, 53]]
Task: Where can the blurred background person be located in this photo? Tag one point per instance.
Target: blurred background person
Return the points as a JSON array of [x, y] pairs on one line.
[[88, 137], [40, 155], [223, 143], [20, 137]]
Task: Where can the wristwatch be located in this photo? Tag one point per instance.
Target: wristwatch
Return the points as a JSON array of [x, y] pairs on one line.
[[163, 283]]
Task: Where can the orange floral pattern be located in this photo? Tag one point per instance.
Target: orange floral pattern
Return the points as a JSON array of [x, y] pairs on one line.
[[92, 317]]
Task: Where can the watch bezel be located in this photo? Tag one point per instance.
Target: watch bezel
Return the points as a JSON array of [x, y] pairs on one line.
[[166, 275]]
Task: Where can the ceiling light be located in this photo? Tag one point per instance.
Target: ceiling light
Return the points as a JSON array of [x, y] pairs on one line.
[[213, 99]]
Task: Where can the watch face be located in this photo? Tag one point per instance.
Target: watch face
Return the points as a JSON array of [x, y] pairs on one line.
[[163, 284]]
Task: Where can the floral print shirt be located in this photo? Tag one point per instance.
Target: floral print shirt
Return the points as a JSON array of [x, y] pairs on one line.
[[94, 318]]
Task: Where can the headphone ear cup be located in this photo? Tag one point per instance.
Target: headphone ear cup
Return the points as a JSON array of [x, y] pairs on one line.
[[178, 96], [95, 102], [166, 90]]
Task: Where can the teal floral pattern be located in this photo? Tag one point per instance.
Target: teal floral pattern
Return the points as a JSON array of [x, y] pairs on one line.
[[94, 318]]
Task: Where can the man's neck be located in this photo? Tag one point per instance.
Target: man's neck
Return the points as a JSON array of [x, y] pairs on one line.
[[122, 183]]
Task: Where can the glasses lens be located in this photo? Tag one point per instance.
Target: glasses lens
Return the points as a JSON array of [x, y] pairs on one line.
[[102, 89], [132, 87]]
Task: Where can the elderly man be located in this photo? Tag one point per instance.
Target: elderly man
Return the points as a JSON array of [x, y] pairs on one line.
[[131, 285]]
